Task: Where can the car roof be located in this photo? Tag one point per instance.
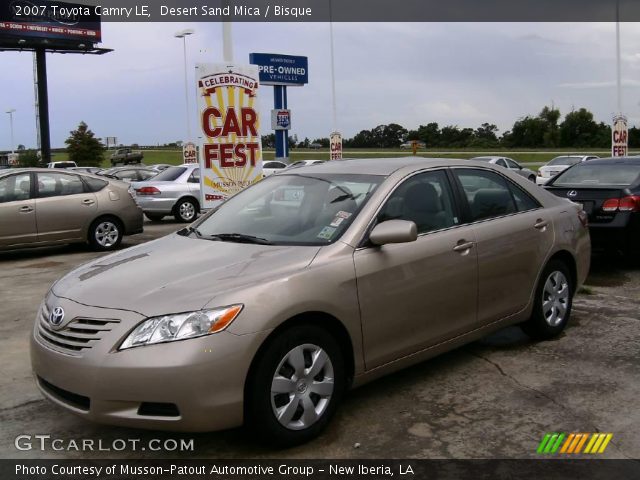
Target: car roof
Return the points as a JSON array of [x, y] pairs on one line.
[[381, 166]]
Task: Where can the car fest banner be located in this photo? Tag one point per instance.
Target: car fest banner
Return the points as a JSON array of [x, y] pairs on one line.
[[230, 150], [619, 136], [335, 145]]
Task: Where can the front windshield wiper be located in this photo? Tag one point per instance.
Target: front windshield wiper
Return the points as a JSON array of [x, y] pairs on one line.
[[239, 238], [186, 231]]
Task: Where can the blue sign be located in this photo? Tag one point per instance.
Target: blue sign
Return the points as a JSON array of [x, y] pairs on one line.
[[276, 69]]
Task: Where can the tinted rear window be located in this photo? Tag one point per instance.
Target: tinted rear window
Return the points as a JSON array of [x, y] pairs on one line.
[[170, 174], [588, 174]]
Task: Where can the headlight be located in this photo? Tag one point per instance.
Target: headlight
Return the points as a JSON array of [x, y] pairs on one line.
[[169, 328]]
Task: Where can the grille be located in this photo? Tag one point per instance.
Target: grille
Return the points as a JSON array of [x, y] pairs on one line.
[[77, 336]]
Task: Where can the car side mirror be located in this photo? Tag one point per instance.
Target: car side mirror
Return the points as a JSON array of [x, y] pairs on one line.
[[394, 231]]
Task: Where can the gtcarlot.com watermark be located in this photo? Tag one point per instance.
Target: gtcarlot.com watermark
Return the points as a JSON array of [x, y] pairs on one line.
[[47, 442]]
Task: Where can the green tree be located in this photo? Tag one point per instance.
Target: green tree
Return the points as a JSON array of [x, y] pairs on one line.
[[579, 130], [484, 136], [551, 136], [28, 158], [84, 148], [269, 140]]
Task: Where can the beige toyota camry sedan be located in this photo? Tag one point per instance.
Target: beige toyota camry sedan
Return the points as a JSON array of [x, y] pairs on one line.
[[266, 310]]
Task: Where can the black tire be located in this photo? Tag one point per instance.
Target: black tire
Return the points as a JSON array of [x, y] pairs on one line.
[[105, 233], [532, 178], [259, 404], [548, 321], [154, 217], [185, 210]]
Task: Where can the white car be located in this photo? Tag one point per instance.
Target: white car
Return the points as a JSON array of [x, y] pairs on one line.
[[558, 164], [305, 163], [509, 164], [272, 166], [63, 164]]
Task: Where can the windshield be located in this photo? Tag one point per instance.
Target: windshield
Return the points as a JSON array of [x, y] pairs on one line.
[[170, 174], [291, 210], [588, 174], [564, 161]]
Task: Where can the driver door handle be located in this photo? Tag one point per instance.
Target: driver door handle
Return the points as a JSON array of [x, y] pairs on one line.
[[540, 224], [26, 209], [463, 247]]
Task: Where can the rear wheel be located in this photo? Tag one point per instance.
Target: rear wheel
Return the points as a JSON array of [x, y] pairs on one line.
[[296, 386], [552, 306], [185, 210], [154, 217], [532, 178], [105, 233]]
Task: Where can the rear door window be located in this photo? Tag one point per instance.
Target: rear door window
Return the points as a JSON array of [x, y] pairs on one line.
[[487, 193], [58, 184]]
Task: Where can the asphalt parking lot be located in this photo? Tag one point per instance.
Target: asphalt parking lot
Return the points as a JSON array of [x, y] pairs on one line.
[[495, 398]]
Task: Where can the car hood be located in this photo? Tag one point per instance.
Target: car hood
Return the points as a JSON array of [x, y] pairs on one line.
[[177, 274]]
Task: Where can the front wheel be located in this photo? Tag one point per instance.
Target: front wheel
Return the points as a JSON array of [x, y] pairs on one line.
[[552, 306], [185, 210], [105, 234], [532, 178], [296, 386]]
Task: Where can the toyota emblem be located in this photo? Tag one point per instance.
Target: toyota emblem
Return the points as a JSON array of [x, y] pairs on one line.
[[56, 316], [572, 193]]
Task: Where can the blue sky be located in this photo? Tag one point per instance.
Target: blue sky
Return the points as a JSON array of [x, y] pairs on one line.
[[454, 74]]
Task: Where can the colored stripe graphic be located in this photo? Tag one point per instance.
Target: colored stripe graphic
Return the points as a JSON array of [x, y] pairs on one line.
[[573, 443]]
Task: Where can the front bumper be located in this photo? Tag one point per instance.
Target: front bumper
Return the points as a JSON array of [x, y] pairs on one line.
[[189, 385]]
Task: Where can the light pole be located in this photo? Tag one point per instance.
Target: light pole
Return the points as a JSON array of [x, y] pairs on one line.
[[183, 35], [10, 112]]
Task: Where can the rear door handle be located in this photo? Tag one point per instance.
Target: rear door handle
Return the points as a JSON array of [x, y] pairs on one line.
[[88, 201], [540, 224], [26, 209], [463, 247]]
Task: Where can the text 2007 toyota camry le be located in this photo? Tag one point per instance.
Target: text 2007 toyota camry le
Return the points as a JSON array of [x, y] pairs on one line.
[[267, 309]]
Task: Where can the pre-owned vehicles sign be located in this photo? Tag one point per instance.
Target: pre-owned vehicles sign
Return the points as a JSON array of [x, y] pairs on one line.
[[231, 152]]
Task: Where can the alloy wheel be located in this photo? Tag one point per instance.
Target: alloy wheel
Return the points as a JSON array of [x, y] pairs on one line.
[[555, 298], [302, 387], [107, 234], [187, 210]]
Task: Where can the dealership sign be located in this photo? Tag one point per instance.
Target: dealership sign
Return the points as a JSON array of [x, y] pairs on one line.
[[280, 119], [230, 152], [335, 144], [54, 21], [619, 136], [277, 69]]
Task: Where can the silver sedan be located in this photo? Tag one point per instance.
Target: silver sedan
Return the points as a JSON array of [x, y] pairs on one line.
[[174, 191], [509, 164]]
